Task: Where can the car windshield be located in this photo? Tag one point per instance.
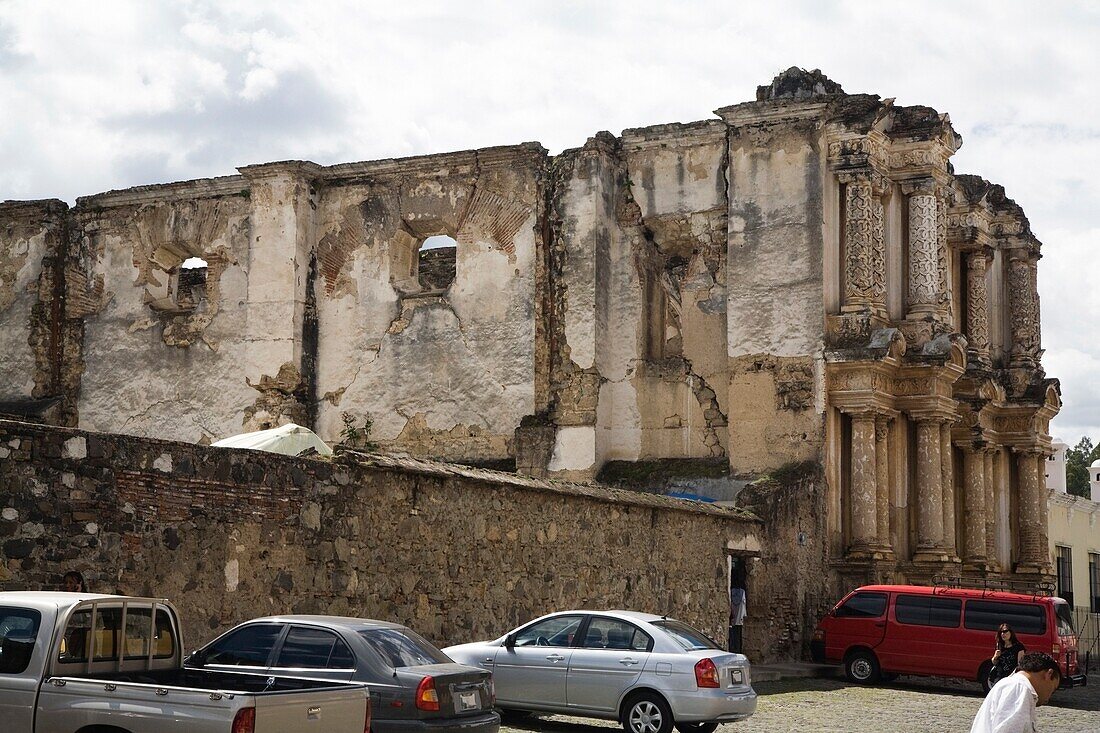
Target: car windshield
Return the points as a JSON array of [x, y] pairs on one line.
[[403, 647], [1065, 619], [689, 638]]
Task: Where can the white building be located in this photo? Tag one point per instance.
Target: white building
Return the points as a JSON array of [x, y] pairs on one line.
[[1094, 480], [1056, 467]]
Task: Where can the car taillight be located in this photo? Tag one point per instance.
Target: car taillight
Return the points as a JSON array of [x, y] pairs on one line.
[[244, 721], [1055, 650], [366, 723], [426, 696], [706, 674], [492, 692]]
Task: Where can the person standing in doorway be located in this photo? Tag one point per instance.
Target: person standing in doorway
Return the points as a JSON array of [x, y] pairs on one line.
[[738, 603]]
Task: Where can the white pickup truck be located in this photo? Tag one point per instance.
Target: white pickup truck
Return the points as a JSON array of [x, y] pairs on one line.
[[83, 663]]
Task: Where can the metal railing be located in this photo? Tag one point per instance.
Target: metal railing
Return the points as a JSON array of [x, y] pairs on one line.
[[1087, 625]]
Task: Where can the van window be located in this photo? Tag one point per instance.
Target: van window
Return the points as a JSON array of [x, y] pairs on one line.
[[1064, 618], [928, 611], [863, 605], [1024, 618]]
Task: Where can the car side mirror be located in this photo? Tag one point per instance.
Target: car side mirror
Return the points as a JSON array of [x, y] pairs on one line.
[[196, 658], [510, 641]]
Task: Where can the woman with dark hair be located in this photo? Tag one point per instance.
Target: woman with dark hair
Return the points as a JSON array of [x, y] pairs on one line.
[[1007, 654]]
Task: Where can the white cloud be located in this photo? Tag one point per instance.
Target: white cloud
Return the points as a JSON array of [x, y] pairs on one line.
[[109, 94]]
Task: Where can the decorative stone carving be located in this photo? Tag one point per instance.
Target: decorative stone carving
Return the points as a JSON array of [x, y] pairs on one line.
[[924, 274], [1032, 513], [882, 488], [947, 471], [929, 493], [863, 500], [977, 308], [864, 248], [974, 522], [1024, 310], [943, 259]]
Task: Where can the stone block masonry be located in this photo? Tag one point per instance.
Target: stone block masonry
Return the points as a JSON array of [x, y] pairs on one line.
[[457, 553]]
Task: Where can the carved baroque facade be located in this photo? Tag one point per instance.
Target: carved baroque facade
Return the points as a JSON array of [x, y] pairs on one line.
[[804, 278]]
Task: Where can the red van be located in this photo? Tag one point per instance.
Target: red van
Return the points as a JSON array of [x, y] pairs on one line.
[[881, 631]]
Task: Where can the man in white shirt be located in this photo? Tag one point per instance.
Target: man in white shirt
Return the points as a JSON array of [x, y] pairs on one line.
[[1010, 705]]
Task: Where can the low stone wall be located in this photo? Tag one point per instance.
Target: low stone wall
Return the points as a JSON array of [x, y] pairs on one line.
[[457, 553]]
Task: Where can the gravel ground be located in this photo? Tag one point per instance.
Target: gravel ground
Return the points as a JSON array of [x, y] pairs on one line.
[[909, 705]]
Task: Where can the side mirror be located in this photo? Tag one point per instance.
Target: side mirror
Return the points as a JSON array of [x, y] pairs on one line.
[[510, 642], [196, 658]]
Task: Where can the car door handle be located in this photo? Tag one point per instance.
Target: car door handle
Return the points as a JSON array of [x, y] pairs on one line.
[[880, 623], [488, 660], [555, 657], [627, 661]]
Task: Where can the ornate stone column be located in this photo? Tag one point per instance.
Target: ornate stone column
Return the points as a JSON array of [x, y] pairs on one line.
[[947, 471], [864, 244], [975, 552], [1023, 303], [977, 307], [924, 256], [862, 497], [993, 480], [929, 492], [882, 486], [1032, 519]]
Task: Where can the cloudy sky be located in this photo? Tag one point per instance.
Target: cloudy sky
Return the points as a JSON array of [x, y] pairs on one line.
[[104, 95]]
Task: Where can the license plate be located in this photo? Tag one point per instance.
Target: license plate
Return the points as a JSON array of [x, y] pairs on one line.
[[466, 701], [737, 677]]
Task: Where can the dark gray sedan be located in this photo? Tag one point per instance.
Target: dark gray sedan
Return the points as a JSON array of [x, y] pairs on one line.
[[414, 687]]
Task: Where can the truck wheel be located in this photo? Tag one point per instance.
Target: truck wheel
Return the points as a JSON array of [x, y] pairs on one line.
[[647, 712], [861, 666]]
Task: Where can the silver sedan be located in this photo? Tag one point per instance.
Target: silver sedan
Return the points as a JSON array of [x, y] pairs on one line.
[[648, 672]]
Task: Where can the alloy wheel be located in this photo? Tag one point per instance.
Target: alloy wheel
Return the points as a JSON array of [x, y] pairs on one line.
[[645, 717]]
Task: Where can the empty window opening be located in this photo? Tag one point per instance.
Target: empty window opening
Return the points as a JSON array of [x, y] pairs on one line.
[[436, 262], [191, 282]]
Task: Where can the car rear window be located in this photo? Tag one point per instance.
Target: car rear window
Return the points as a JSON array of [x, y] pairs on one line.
[[1024, 618], [18, 631], [313, 649], [863, 605], [686, 636], [403, 647], [928, 611]]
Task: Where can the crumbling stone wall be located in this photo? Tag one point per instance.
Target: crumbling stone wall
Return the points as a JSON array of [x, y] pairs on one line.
[[457, 553], [446, 373]]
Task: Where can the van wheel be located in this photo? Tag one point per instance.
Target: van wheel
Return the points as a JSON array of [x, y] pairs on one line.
[[861, 666], [647, 712]]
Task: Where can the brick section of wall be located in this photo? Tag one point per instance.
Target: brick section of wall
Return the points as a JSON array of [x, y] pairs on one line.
[[458, 553]]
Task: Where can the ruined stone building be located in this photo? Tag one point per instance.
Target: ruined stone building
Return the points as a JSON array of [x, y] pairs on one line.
[[803, 278]]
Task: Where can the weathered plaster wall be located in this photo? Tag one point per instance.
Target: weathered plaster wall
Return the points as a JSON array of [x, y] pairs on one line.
[[447, 374], [152, 365], [31, 235], [457, 553], [775, 336]]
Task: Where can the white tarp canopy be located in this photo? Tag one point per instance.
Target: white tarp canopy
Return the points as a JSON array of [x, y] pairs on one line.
[[290, 440]]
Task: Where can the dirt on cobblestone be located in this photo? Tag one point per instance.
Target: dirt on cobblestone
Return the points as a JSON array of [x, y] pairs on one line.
[[832, 706]]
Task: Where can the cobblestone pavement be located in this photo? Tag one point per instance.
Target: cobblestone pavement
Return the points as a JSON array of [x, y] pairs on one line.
[[909, 705]]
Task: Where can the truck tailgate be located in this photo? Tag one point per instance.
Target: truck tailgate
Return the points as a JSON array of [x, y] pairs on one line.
[[321, 711]]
